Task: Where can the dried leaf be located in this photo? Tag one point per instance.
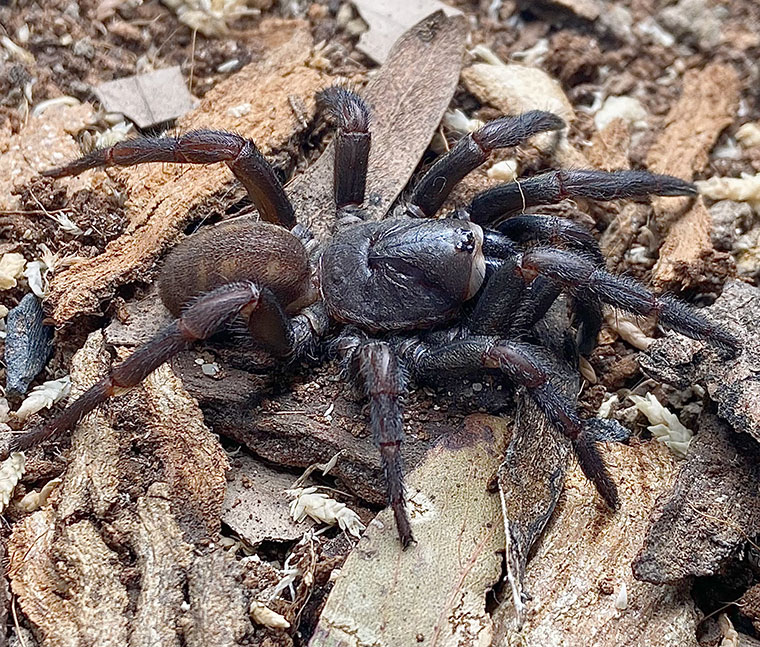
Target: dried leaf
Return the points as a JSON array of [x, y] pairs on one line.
[[388, 20], [378, 597], [148, 99]]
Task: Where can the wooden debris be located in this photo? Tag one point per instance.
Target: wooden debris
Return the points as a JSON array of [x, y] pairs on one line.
[[707, 105], [388, 20], [713, 509], [579, 579], [122, 526], [162, 199], [732, 383], [377, 596], [256, 505]]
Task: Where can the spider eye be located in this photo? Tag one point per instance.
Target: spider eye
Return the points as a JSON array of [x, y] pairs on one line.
[[467, 241]]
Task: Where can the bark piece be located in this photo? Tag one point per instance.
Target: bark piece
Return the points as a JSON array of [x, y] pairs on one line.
[[732, 383], [112, 561], [28, 345], [711, 512], [162, 198], [707, 105], [406, 108], [434, 592], [148, 99], [579, 579]]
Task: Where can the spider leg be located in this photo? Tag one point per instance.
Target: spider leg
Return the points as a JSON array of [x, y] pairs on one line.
[[550, 188], [563, 233], [352, 143], [578, 273], [376, 366], [471, 151], [206, 315], [520, 363], [199, 147]]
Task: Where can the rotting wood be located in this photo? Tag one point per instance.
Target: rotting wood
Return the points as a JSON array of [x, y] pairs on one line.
[[162, 198], [707, 105], [154, 496], [579, 579]]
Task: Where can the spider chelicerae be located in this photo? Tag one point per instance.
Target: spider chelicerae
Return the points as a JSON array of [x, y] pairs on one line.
[[411, 295]]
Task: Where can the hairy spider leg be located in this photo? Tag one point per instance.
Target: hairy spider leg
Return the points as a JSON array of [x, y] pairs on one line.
[[553, 187], [520, 363], [375, 365], [578, 273], [565, 234], [245, 160], [471, 151], [352, 143], [205, 316]]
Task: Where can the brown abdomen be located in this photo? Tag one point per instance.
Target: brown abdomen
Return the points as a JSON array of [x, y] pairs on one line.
[[236, 250]]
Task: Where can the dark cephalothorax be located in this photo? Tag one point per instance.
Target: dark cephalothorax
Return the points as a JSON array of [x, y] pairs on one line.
[[383, 294]]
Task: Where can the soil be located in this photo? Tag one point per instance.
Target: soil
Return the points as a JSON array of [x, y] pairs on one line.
[[72, 46]]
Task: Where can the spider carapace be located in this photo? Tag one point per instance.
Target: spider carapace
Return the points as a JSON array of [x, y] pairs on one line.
[[379, 293]]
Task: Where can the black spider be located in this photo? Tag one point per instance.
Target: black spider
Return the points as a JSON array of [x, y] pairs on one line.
[[391, 282]]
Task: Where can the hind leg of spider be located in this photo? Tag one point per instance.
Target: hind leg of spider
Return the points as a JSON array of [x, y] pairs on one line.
[[205, 316], [519, 363], [553, 187], [376, 367], [578, 274], [470, 152], [199, 147]]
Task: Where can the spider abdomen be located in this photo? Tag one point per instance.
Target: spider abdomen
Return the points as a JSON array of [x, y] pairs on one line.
[[401, 273], [233, 251]]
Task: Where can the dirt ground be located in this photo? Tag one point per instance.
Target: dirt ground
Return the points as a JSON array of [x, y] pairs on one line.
[[169, 521]]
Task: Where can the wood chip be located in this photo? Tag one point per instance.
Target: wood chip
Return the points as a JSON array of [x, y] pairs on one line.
[[582, 565], [388, 20], [148, 99], [110, 506], [164, 198], [707, 105]]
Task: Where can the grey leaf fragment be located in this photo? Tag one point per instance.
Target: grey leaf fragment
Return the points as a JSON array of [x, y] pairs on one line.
[[148, 99], [28, 344], [710, 513], [256, 506], [390, 19], [733, 383]]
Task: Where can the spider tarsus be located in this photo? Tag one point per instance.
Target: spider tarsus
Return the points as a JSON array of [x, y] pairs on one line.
[[593, 466]]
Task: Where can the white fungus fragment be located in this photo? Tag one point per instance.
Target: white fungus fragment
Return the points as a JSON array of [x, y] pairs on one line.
[[628, 109], [240, 110], [504, 171], [11, 471], [457, 121], [210, 17], [621, 599], [35, 500], [307, 502], [263, 615], [119, 132], [740, 189], [749, 134], [625, 325], [44, 396], [664, 424], [605, 409], [65, 100], [11, 268]]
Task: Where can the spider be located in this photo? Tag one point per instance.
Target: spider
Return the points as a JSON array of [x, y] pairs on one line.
[[411, 295]]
